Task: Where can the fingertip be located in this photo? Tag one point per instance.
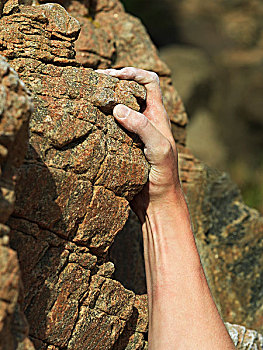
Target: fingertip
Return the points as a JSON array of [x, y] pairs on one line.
[[109, 71], [121, 111], [129, 72], [112, 72]]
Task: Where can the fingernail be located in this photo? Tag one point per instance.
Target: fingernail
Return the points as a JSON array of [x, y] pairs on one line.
[[112, 71], [121, 111]]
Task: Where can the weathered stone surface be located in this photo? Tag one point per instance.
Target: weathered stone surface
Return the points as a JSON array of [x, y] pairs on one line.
[[133, 342], [80, 171], [245, 338], [229, 236], [15, 110], [134, 333], [112, 38], [105, 310], [230, 239]]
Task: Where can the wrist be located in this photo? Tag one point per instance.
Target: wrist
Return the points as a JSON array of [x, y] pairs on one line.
[[166, 195], [168, 220], [160, 199]]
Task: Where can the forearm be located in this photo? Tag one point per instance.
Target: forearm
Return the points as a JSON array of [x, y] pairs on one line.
[[181, 309], [182, 314]]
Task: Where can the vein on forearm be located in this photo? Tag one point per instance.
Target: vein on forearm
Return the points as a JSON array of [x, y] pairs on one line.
[[179, 296]]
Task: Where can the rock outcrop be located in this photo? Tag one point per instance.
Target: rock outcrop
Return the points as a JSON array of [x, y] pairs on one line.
[[81, 170], [15, 110], [244, 338], [110, 37], [72, 198], [229, 235]]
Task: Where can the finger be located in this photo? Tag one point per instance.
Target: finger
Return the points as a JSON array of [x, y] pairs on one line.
[[156, 144], [155, 110], [149, 79]]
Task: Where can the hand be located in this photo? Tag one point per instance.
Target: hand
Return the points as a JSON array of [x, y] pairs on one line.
[[176, 283], [154, 129]]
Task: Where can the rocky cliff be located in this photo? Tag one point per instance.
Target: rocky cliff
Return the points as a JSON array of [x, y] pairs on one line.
[[80, 171], [15, 110]]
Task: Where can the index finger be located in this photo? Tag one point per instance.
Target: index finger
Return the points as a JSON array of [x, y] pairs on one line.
[[149, 79], [155, 110]]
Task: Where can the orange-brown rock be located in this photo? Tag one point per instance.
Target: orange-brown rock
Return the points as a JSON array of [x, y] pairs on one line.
[[245, 338], [110, 37], [15, 110], [80, 172]]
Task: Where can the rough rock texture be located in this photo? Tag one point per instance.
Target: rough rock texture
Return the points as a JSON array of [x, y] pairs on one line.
[[245, 338], [229, 236], [81, 170], [15, 109], [112, 38], [72, 198]]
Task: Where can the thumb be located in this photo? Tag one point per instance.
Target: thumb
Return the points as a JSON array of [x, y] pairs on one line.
[[157, 147]]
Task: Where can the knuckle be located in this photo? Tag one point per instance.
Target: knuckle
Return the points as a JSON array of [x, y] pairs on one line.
[[165, 149], [140, 121], [131, 71], [155, 77]]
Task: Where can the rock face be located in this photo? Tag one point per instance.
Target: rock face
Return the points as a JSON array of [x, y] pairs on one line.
[[112, 38], [80, 171], [244, 338], [229, 236], [15, 110], [230, 239], [72, 198]]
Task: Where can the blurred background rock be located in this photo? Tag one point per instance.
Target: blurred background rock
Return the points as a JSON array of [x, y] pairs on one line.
[[215, 52]]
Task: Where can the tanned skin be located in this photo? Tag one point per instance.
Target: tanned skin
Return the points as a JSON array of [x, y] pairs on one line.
[[182, 313]]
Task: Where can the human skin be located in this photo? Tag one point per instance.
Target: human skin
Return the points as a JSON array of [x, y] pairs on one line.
[[182, 313]]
